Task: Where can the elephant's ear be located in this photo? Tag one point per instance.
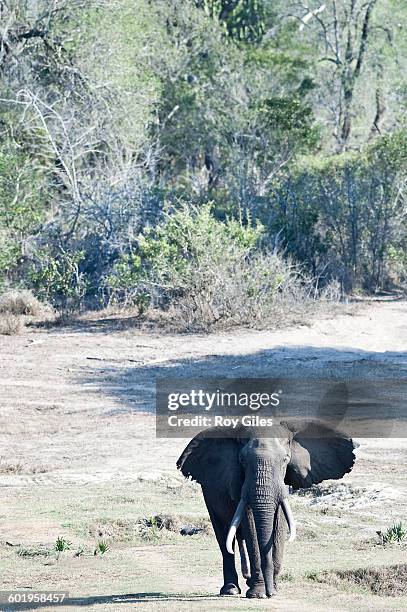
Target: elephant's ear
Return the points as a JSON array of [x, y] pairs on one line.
[[319, 453], [213, 461]]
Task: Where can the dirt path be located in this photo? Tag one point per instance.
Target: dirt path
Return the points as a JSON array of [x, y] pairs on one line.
[[76, 403]]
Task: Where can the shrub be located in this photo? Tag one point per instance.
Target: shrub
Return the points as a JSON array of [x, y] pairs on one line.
[[9, 253], [344, 216], [22, 302], [150, 529], [387, 581], [57, 277], [62, 544], [395, 533], [206, 272], [101, 548], [11, 325], [123, 283], [22, 204]]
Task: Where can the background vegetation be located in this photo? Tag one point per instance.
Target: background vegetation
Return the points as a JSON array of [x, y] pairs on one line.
[[192, 153]]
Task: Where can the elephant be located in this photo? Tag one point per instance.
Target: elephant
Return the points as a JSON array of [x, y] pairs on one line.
[[244, 477]]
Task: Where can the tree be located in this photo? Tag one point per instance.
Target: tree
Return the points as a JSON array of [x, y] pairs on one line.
[[344, 214], [244, 20], [353, 39]]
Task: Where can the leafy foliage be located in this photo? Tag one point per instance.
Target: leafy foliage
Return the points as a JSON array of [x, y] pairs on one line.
[[101, 548], [292, 117], [206, 272], [62, 544], [243, 19], [58, 277], [344, 215], [22, 205], [395, 533]]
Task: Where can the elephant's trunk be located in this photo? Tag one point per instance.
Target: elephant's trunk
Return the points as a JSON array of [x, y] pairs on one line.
[[264, 519], [265, 504], [236, 520]]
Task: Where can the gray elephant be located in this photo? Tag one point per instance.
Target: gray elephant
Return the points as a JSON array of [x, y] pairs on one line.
[[244, 476]]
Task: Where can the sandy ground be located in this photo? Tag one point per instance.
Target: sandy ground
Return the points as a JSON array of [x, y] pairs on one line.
[[78, 446]]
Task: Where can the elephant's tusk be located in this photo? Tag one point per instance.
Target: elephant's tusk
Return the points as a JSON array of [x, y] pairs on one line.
[[290, 519], [236, 520], [244, 559]]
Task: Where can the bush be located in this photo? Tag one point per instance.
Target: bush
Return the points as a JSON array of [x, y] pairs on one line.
[[123, 283], [344, 216], [9, 254], [387, 581], [395, 533], [206, 272], [22, 302], [22, 205], [11, 325], [57, 277]]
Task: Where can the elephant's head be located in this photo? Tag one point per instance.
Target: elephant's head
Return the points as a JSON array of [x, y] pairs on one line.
[[255, 470]]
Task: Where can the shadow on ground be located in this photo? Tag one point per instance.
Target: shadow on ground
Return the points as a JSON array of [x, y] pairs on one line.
[[76, 324], [130, 598], [383, 376]]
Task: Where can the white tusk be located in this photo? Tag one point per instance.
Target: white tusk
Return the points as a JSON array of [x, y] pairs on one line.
[[236, 520], [290, 519]]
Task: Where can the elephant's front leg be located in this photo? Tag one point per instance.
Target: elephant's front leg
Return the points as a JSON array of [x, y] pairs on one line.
[[221, 513], [280, 530]]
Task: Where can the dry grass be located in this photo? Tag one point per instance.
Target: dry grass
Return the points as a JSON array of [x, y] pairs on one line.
[[19, 307], [9, 467], [176, 522], [388, 581], [120, 530], [22, 302], [260, 292], [11, 325], [152, 528], [39, 550]]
